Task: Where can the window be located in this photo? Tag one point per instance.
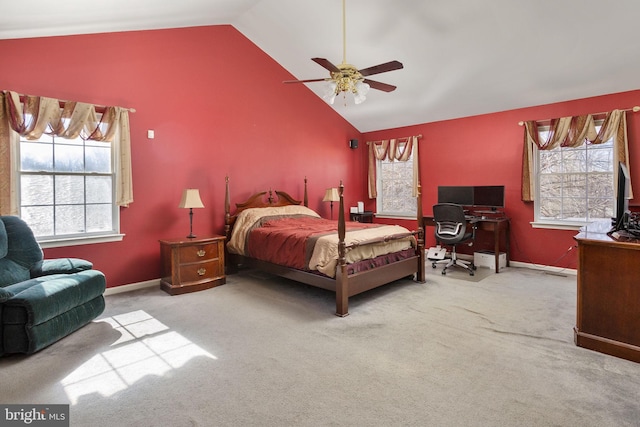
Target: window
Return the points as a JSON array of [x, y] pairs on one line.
[[574, 185], [66, 189], [395, 184]]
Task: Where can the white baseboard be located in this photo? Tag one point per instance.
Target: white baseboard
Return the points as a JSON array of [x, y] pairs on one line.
[[132, 287], [546, 268]]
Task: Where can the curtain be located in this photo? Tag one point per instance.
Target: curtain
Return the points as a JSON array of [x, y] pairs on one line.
[[573, 132], [395, 149], [36, 115]]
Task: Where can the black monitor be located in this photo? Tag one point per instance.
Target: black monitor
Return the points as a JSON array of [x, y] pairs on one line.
[[460, 195], [622, 198], [488, 196]]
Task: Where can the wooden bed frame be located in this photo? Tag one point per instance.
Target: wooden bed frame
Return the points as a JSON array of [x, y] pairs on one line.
[[344, 285]]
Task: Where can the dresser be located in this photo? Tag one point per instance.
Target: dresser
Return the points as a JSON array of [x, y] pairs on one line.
[[190, 265], [608, 309]]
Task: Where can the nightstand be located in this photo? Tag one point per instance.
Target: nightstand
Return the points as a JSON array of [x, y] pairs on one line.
[[190, 265], [366, 216]]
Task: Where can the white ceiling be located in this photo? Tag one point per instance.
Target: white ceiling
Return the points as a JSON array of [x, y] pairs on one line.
[[461, 57]]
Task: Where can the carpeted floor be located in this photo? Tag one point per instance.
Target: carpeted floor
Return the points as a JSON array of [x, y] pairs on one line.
[[263, 351]]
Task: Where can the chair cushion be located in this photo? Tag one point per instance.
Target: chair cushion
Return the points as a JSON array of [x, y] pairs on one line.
[[11, 272], [4, 244], [5, 294], [23, 248]]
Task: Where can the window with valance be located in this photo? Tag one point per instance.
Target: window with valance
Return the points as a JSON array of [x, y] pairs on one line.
[[569, 166], [393, 175], [62, 130]]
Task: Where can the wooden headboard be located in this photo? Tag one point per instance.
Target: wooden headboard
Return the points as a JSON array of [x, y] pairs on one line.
[[258, 200]]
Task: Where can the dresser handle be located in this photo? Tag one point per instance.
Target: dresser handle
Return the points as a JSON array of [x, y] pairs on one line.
[[202, 271], [201, 252]]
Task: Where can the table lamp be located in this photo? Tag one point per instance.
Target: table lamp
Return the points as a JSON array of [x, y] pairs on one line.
[[191, 199], [331, 195]]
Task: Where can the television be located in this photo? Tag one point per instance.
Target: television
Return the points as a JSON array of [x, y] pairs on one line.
[[460, 195], [488, 196], [621, 220]]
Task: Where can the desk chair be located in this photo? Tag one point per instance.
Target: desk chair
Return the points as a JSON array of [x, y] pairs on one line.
[[451, 229]]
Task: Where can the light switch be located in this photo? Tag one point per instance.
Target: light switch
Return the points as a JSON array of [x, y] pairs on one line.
[[150, 134]]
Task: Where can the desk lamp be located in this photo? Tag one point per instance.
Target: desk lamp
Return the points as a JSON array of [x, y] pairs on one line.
[[191, 199]]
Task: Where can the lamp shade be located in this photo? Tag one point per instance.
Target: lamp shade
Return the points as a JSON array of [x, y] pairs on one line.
[[331, 195], [191, 199]]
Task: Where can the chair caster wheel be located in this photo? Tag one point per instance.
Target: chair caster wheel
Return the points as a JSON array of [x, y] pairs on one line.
[[433, 265], [444, 272], [471, 273], [474, 267]]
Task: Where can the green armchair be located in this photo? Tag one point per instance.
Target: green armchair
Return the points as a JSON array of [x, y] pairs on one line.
[[42, 301]]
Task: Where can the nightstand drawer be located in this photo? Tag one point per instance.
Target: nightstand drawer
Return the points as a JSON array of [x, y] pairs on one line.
[[199, 271], [197, 253]]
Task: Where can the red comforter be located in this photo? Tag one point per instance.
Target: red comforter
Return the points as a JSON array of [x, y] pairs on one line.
[[289, 241]]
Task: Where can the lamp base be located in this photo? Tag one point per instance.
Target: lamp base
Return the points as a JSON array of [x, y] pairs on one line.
[[191, 236]]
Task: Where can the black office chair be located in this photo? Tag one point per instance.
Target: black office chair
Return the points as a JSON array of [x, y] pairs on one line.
[[451, 229]]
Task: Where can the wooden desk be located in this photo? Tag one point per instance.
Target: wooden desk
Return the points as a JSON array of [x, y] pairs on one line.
[[496, 225], [608, 313]]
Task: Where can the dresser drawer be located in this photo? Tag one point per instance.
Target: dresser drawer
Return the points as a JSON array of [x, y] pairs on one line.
[[199, 271], [196, 253]]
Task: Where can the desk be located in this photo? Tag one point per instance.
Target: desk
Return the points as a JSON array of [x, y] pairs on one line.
[[496, 225], [608, 317], [366, 216]]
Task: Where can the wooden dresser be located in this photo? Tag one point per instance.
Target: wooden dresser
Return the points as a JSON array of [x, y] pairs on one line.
[[608, 306], [190, 265]]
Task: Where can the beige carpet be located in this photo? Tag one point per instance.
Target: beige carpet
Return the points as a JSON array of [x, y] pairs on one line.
[[262, 351]]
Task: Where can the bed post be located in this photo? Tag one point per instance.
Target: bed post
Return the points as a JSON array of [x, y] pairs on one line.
[[342, 288], [420, 275], [227, 226]]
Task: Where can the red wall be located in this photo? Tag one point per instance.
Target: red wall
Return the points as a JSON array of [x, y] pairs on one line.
[[218, 107], [487, 150]]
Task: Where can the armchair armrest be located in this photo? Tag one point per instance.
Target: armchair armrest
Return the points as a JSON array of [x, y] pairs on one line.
[[48, 267], [38, 300]]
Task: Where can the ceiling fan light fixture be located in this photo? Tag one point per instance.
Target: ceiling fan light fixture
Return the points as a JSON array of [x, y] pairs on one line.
[[330, 92], [360, 92]]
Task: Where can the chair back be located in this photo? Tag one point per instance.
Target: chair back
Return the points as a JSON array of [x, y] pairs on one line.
[[451, 224], [19, 250]]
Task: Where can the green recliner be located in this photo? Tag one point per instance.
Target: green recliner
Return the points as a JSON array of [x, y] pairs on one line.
[[42, 301]]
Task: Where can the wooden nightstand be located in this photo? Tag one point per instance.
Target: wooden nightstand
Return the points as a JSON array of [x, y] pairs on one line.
[[190, 265]]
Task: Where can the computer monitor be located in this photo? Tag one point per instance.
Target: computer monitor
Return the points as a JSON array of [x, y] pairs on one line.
[[460, 195], [488, 196], [622, 198]]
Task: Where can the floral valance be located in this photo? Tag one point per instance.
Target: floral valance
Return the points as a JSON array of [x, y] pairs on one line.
[[31, 116]]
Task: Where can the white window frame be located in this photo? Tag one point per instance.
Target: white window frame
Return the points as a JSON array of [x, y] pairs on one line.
[[409, 186], [563, 224], [113, 235]]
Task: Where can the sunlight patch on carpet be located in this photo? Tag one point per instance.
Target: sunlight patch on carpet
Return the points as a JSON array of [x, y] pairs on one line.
[[146, 347]]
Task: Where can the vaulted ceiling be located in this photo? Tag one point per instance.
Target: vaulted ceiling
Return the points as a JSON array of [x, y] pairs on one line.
[[461, 57]]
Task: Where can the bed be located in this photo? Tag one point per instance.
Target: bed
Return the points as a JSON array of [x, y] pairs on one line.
[[278, 234]]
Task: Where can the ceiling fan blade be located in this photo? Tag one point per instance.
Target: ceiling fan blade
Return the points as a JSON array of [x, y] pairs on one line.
[[326, 64], [380, 86], [305, 81], [382, 68]]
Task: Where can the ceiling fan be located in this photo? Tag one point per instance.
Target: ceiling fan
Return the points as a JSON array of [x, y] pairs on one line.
[[347, 78]]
